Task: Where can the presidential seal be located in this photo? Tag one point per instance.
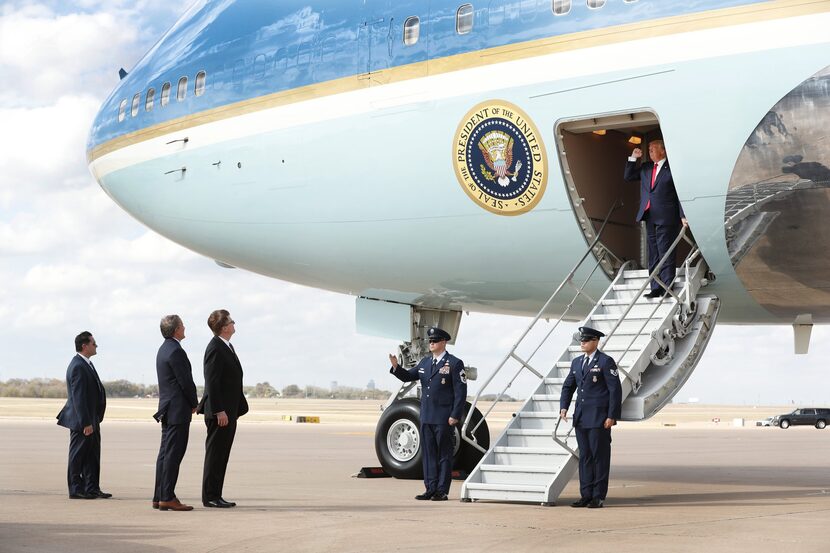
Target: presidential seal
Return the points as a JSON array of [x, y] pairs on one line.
[[500, 159]]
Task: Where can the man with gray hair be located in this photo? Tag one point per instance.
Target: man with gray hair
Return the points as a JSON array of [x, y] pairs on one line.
[[177, 403]]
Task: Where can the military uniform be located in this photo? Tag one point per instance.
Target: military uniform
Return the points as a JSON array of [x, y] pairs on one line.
[[599, 398], [443, 394]]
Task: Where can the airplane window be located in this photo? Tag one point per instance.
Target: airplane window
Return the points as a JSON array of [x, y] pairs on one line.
[[561, 7], [594, 4], [151, 97], [165, 94], [464, 19], [181, 90], [122, 110], [199, 89], [411, 30], [134, 107]]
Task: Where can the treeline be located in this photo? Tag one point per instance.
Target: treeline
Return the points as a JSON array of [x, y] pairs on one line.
[[56, 388]]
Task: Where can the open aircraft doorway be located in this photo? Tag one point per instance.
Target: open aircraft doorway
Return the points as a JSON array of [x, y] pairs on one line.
[[593, 152]]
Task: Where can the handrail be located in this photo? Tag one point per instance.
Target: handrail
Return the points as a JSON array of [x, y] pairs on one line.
[[524, 363]]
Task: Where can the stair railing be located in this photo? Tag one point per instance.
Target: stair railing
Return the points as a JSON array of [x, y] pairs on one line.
[[469, 434]]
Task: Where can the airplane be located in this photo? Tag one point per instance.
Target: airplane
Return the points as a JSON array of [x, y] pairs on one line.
[[436, 157]]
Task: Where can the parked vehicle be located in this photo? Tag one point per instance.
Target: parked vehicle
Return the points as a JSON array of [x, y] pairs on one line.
[[765, 422], [817, 417]]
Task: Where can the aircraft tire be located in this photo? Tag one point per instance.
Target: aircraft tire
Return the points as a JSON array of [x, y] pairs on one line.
[[398, 439]]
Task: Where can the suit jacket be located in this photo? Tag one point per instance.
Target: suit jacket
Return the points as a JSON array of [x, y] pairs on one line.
[[443, 387], [600, 393], [177, 392], [223, 382], [86, 399], [665, 208]]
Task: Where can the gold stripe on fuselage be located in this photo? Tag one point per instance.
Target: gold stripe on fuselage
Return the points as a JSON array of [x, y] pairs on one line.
[[766, 11]]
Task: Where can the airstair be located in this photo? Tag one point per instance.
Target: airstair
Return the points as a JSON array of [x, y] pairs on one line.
[[655, 342]]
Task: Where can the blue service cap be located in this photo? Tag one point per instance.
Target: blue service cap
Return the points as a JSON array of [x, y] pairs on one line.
[[435, 334], [590, 333]]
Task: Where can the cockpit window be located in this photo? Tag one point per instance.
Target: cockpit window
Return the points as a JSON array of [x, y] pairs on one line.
[[181, 90], [561, 7], [134, 107], [199, 88], [411, 30], [148, 102], [464, 19], [122, 110], [594, 4], [165, 94]]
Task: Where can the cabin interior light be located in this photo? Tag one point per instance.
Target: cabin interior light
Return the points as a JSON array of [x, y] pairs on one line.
[[600, 132], [635, 138]]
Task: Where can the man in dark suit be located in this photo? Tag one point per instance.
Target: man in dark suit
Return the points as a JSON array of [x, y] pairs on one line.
[[443, 394], [222, 403], [86, 401], [598, 407], [659, 207], [177, 403]]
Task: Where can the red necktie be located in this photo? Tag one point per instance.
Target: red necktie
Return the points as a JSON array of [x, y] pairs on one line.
[[653, 180]]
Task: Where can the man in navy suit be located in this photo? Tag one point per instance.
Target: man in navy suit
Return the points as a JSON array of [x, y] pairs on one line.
[[443, 394], [598, 406], [86, 401], [659, 207], [177, 403], [222, 403]]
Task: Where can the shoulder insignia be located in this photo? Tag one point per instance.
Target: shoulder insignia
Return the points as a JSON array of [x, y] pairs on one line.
[[614, 372], [500, 160], [463, 376]]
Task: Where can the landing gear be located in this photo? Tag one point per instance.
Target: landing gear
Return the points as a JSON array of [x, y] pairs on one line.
[[398, 440]]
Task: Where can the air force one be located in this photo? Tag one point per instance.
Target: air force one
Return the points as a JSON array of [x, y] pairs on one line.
[[433, 157]]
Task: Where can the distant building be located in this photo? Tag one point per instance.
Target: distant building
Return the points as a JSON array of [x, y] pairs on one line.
[[333, 386], [370, 385]]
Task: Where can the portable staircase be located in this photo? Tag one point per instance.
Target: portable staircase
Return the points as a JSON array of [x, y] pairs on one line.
[[656, 344]]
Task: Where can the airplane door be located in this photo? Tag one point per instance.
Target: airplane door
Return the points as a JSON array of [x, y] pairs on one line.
[[376, 40]]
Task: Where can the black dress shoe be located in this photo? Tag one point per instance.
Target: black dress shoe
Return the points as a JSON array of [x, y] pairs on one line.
[[82, 496], [582, 502], [424, 496], [595, 504], [100, 494], [653, 294], [227, 503], [216, 504], [439, 496]]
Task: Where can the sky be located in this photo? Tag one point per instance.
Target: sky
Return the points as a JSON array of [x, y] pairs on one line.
[[71, 260]]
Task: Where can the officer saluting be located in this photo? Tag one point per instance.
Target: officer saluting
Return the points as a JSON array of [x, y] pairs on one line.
[[443, 393], [597, 409]]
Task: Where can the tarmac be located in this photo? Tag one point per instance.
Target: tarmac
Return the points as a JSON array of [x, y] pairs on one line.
[[697, 486]]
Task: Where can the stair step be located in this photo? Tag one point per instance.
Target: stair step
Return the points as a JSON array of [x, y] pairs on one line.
[[554, 381], [530, 450], [616, 316], [567, 365], [544, 397], [643, 301], [539, 414], [506, 487], [528, 432], [513, 468]]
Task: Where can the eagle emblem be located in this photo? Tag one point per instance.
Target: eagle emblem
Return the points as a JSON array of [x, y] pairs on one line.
[[497, 149]]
